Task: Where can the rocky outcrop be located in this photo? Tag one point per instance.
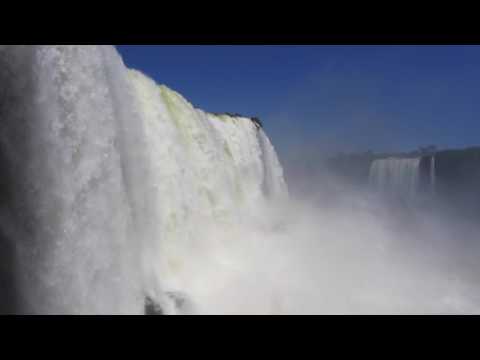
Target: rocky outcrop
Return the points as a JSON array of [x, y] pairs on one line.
[[254, 119], [257, 122], [458, 178], [152, 308], [178, 302]]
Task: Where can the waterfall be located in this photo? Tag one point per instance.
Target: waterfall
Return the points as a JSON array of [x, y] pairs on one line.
[[433, 179], [398, 178], [115, 188], [208, 171]]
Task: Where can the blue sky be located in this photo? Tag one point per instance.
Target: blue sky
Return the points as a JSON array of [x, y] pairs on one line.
[[329, 98]]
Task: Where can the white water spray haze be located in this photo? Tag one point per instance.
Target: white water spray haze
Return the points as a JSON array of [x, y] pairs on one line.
[[396, 176], [118, 189]]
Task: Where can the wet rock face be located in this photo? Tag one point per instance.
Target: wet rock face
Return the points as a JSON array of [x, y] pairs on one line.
[[257, 122], [178, 303], [152, 308], [254, 119]]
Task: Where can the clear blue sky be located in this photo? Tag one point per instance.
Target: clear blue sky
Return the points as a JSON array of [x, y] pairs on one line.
[[328, 98]]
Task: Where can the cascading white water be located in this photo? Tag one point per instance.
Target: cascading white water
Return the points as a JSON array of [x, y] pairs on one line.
[[433, 176], [396, 177], [67, 140], [117, 184], [208, 171]]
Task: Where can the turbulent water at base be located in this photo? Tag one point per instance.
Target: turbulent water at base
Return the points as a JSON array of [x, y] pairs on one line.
[[396, 177], [113, 185]]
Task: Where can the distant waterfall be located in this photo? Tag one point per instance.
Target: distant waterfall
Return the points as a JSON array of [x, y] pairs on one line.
[[433, 179], [397, 178], [403, 179]]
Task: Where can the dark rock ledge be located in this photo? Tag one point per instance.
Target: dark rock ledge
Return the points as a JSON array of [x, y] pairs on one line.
[[254, 119]]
